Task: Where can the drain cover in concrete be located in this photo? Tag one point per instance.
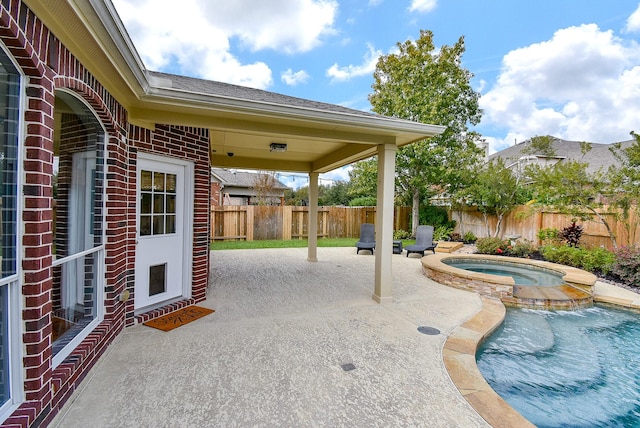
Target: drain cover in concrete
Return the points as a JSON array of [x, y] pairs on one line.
[[348, 367], [428, 330]]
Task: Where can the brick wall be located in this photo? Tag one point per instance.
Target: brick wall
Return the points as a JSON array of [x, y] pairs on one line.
[[50, 66]]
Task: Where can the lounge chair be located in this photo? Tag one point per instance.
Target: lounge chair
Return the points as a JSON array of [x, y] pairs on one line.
[[367, 238], [424, 241]]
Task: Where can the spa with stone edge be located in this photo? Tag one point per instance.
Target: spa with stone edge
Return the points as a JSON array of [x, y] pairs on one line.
[[517, 282]]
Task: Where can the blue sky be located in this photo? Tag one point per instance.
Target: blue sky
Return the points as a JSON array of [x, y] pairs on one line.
[[568, 68]]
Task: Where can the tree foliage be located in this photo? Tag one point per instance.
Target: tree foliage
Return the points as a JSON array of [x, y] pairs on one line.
[[426, 84], [496, 191]]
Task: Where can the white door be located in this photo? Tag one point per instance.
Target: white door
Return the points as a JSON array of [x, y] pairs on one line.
[[164, 212]]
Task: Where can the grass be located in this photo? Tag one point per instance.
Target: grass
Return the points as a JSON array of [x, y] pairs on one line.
[[295, 243]]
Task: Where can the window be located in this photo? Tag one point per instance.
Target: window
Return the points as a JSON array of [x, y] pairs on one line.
[[79, 250], [10, 332]]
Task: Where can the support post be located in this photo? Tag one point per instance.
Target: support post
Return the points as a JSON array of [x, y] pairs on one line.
[[312, 249], [384, 223]]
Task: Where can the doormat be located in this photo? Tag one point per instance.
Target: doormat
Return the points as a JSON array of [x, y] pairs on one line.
[[178, 318]]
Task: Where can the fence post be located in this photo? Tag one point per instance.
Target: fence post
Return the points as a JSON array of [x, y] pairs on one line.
[[251, 214], [287, 215]]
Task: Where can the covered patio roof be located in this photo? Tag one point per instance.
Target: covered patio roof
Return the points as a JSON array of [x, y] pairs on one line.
[[243, 122]]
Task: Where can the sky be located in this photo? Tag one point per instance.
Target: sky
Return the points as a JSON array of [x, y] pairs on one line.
[[566, 68]]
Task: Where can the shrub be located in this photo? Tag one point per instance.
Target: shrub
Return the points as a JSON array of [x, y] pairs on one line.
[[442, 233], [549, 235], [455, 237], [436, 216], [492, 246], [363, 201], [469, 237], [596, 260], [523, 249], [572, 234], [401, 234], [627, 265]]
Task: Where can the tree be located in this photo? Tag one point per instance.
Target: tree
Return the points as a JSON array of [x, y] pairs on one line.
[[335, 194], [363, 177], [264, 183], [540, 145], [496, 191], [428, 85], [569, 188]]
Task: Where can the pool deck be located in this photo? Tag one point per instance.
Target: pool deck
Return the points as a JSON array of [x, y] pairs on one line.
[[273, 353]]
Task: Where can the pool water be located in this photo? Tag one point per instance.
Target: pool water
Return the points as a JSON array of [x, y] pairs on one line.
[[567, 368], [521, 274]]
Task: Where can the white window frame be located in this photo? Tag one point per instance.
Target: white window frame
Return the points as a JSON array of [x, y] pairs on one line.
[[99, 252], [15, 325]]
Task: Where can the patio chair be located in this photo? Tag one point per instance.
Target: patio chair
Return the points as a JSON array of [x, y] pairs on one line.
[[367, 238], [424, 241]]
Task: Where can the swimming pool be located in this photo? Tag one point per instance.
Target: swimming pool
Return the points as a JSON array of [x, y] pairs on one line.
[[567, 368]]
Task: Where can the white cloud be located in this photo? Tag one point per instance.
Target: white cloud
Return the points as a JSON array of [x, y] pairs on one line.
[[633, 22], [583, 84], [368, 66], [198, 34], [292, 79], [423, 5]]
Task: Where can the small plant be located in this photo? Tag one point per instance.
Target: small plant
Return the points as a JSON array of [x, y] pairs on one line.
[[401, 234], [572, 234], [442, 233], [627, 265], [469, 238], [493, 246], [549, 236], [455, 237], [523, 249]]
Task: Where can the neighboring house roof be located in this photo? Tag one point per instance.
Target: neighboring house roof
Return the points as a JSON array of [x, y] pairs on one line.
[[233, 178], [599, 157]]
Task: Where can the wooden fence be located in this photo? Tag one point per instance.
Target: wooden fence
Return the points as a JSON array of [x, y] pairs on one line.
[[231, 223], [526, 223]]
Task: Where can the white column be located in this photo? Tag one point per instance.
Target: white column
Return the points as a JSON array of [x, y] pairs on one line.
[[312, 249], [384, 223]]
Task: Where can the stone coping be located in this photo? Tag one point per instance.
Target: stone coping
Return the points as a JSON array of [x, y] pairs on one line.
[[459, 357], [571, 275]]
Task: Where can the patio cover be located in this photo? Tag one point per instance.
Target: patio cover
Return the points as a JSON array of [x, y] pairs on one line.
[[243, 122]]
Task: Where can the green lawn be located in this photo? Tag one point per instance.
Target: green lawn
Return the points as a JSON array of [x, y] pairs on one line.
[[297, 243]]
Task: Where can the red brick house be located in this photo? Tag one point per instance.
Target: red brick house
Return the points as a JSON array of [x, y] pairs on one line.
[[105, 187]]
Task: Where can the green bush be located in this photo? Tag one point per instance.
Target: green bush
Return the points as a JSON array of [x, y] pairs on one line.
[[492, 246], [549, 236], [523, 249], [596, 260], [436, 216], [469, 237], [401, 234], [363, 201], [627, 265], [442, 233]]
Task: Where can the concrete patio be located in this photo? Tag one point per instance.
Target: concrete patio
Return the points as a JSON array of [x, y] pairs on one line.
[[272, 353]]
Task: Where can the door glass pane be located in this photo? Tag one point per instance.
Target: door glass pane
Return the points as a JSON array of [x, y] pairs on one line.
[[171, 183], [158, 200], [145, 180], [158, 182]]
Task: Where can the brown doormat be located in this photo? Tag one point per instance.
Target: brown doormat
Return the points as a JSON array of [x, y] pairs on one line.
[[178, 318]]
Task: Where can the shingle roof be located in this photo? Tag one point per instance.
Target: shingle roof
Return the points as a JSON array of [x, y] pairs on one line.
[[232, 177], [210, 87], [599, 157]]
